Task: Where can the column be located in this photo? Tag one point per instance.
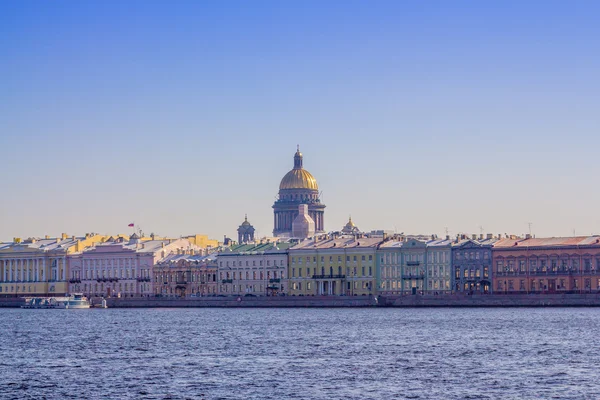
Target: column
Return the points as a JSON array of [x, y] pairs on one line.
[[10, 272], [5, 272], [28, 269], [64, 271], [22, 271], [44, 270]]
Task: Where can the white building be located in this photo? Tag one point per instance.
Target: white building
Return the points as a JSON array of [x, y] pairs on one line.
[[121, 267], [253, 269]]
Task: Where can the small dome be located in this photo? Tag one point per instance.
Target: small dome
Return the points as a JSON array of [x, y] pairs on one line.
[[350, 227], [246, 223]]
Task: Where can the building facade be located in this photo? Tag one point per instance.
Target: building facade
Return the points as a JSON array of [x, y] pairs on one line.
[[389, 269], [40, 267], [439, 266], [253, 269], [546, 265], [186, 273], [472, 264], [121, 268], [297, 187], [331, 265]]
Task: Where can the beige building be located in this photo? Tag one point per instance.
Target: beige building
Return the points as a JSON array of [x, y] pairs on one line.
[[186, 273], [40, 267]]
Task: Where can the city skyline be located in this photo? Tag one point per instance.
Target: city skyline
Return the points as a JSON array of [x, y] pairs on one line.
[[412, 119]]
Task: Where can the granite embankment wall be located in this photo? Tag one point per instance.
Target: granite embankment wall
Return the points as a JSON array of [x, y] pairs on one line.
[[243, 302], [531, 300], [490, 300]]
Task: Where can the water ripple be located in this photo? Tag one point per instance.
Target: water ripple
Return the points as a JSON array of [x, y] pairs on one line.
[[299, 354]]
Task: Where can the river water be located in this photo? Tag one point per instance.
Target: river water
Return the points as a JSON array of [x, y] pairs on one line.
[[300, 354]]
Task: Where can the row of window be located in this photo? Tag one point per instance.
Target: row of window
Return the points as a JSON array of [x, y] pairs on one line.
[[472, 255], [255, 275], [436, 257], [115, 262], [175, 277], [553, 265], [541, 284], [260, 263], [349, 285], [111, 273], [339, 271], [307, 260], [472, 272]]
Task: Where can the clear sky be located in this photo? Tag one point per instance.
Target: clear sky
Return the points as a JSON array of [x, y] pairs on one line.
[[412, 115]]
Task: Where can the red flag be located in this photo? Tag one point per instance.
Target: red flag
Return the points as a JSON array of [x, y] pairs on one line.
[[130, 225]]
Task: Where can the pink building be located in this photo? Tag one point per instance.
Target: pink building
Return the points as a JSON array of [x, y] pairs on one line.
[[121, 267]]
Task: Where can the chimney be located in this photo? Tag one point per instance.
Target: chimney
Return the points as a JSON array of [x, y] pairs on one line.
[[481, 236], [528, 236], [47, 237], [63, 236], [447, 237], [490, 235], [73, 237], [474, 237], [87, 235]]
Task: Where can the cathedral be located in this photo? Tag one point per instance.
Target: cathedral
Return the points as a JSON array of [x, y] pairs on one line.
[[297, 187]]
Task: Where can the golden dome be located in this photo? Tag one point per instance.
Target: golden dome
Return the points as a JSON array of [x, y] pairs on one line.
[[298, 179]]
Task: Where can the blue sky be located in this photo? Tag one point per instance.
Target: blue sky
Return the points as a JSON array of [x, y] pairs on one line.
[[413, 116]]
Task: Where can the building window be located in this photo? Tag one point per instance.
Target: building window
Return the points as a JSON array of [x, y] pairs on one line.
[[499, 266]]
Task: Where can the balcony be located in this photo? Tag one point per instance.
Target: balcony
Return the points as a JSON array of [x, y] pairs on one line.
[[273, 287], [413, 263], [181, 282], [416, 276], [140, 279], [74, 280], [329, 276], [227, 281], [275, 280]]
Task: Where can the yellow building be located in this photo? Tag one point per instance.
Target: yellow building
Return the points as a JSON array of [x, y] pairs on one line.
[[333, 266], [202, 241], [39, 267]]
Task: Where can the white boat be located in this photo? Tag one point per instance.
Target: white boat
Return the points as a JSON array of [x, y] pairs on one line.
[[75, 300]]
